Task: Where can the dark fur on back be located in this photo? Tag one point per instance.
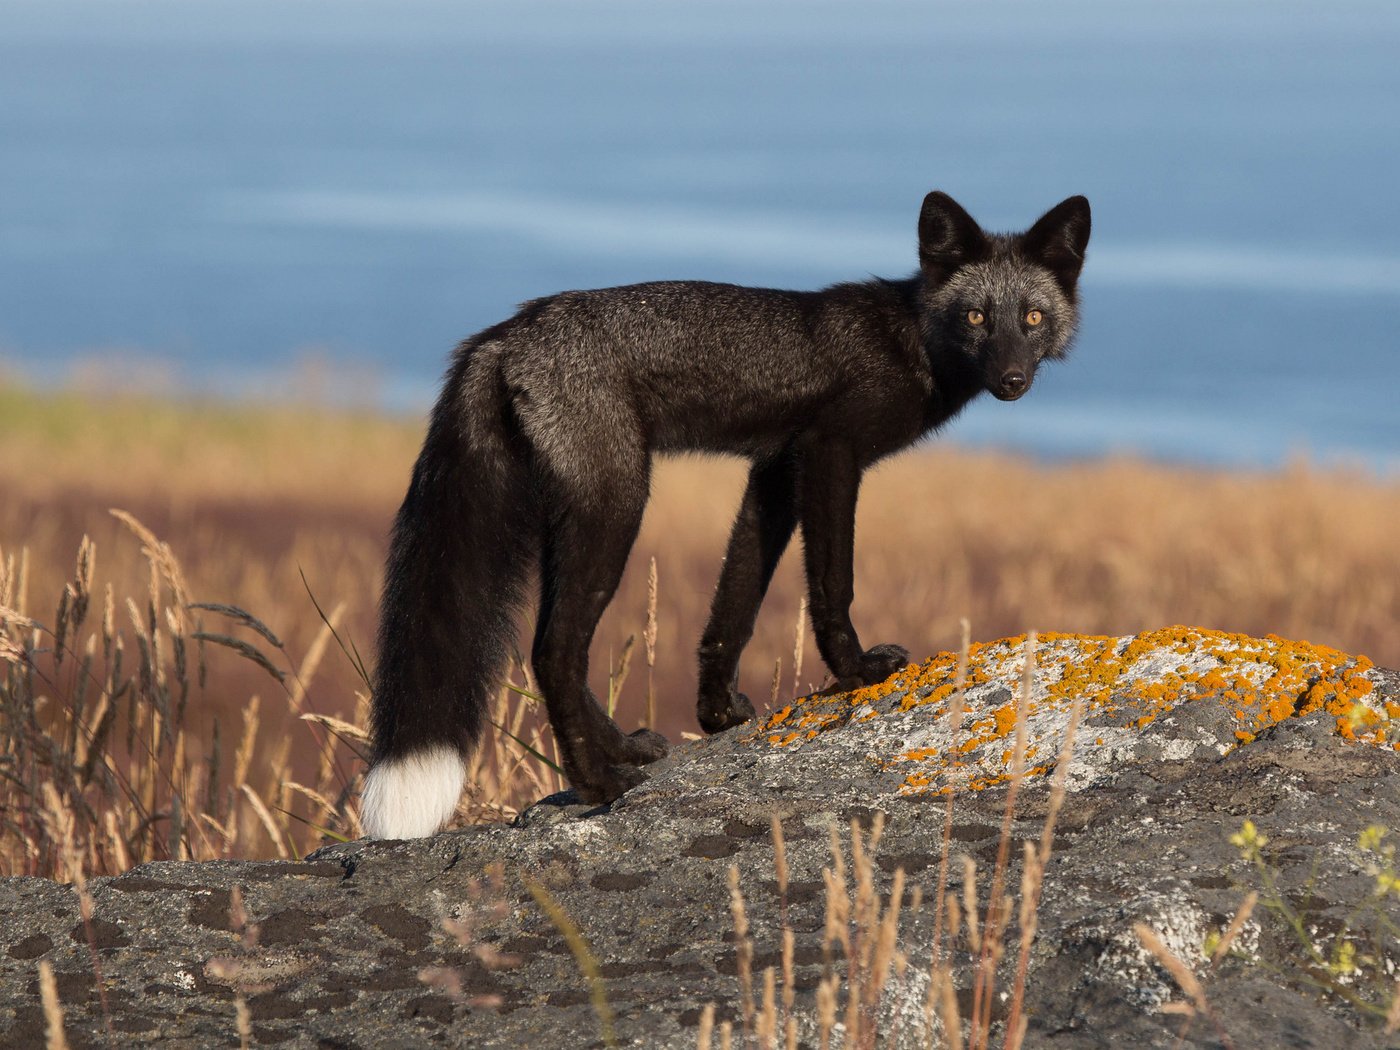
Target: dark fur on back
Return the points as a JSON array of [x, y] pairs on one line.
[[539, 453]]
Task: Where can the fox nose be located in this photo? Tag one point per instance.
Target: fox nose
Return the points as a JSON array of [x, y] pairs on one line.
[[1013, 383]]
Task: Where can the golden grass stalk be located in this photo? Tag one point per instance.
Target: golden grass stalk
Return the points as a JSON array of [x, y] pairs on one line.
[[163, 565], [838, 903], [311, 662], [649, 638], [7, 581], [61, 822], [244, 649], [116, 841], [800, 637], [882, 963], [265, 817], [1235, 928], [743, 949], [109, 615], [340, 727], [789, 977], [766, 1026], [867, 930], [1016, 1031], [969, 903], [22, 578], [780, 866], [1181, 973], [826, 1010], [53, 1010], [617, 679], [1033, 877], [243, 757], [238, 921], [1186, 980], [243, 617], [243, 1018], [323, 804], [991, 948], [705, 1032], [445, 979], [948, 1004], [1059, 785], [858, 955], [280, 794], [955, 713], [583, 955]]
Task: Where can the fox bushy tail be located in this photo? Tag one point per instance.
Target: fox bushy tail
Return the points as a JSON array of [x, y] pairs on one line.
[[462, 547]]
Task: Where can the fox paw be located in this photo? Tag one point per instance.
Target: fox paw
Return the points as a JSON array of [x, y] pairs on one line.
[[731, 709], [645, 746], [881, 661], [607, 784]]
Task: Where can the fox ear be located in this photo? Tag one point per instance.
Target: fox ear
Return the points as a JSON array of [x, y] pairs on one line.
[[948, 236], [1058, 240]]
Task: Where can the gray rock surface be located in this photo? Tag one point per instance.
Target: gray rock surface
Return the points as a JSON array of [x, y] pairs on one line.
[[1161, 777]]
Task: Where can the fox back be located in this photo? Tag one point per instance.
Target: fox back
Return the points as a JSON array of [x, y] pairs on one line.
[[695, 365]]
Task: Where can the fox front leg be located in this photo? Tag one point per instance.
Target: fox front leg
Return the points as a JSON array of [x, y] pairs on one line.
[[829, 483], [767, 516]]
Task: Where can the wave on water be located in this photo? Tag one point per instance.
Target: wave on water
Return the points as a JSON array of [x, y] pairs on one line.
[[806, 241]]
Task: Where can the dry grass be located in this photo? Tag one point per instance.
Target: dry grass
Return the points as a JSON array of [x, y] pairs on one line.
[[863, 1002], [241, 501]]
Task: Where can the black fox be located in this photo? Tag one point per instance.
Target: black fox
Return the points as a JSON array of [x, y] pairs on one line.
[[539, 453]]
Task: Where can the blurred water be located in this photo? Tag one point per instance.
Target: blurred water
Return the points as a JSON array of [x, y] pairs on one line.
[[226, 186]]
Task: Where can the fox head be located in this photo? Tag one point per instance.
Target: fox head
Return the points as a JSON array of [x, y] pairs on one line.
[[1001, 302]]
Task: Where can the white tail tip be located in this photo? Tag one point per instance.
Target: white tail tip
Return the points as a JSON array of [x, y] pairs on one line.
[[412, 796]]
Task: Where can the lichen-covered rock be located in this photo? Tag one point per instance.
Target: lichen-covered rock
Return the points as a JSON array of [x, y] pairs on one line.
[[1185, 734], [1216, 691]]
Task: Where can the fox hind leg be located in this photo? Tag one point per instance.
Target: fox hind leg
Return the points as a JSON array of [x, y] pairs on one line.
[[587, 539]]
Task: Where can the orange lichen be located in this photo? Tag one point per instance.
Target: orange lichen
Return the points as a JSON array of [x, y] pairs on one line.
[[1260, 682]]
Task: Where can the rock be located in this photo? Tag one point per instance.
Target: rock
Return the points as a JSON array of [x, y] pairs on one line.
[[1185, 734]]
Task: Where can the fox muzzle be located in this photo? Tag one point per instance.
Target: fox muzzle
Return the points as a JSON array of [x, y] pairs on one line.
[[1012, 384]]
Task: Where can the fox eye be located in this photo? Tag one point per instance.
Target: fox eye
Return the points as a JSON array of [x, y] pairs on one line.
[[975, 317], [1034, 317]]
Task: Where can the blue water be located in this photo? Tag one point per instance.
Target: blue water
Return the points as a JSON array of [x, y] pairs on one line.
[[228, 188]]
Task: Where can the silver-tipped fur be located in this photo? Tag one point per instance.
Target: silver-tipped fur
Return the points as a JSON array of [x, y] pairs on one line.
[[412, 796]]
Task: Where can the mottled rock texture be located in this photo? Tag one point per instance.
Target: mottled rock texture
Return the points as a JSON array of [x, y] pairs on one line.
[[1185, 735]]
